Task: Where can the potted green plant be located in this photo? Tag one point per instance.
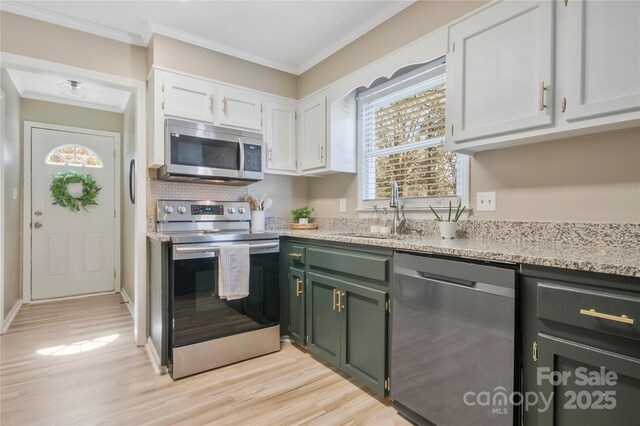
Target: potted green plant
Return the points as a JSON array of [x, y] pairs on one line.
[[302, 214], [449, 227]]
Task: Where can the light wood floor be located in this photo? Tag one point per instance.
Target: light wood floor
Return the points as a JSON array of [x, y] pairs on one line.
[[102, 379]]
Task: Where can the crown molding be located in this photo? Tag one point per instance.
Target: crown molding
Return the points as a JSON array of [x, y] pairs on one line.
[[394, 8], [20, 8], [73, 23]]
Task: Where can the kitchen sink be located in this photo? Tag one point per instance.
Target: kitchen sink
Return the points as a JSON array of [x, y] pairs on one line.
[[371, 235]]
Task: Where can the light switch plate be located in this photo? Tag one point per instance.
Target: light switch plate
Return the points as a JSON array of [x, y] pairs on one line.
[[15, 193], [486, 201], [343, 205]]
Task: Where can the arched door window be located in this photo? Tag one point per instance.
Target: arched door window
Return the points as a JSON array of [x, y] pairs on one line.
[[73, 155]]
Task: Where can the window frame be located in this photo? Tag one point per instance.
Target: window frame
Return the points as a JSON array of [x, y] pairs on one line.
[[414, 206]]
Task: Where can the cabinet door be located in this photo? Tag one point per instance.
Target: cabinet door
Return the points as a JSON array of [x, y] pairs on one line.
[[280, 137], [603, 54], [186, 97], [296, 305], [323, 318], [499, 71], [576, 403], [363, 335], [312, 136], [239, 108]]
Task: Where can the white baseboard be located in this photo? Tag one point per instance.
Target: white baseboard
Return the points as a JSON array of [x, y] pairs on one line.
[[6, 322], [154, 357], [127, 300]]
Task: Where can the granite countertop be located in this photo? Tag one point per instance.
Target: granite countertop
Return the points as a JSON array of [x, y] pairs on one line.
[[609, 260]]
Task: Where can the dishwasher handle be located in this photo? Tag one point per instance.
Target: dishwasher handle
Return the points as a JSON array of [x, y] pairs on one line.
[[470, 285]]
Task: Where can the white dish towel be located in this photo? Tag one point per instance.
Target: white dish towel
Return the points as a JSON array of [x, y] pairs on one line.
[[233, 278]]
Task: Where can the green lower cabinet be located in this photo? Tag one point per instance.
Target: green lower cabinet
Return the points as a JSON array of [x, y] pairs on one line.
[[296, 305], [323, 318], [347, 326], [363, 335], [588, 395]]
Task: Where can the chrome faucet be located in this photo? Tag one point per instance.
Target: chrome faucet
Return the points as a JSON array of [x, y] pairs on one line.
[[397, 225]]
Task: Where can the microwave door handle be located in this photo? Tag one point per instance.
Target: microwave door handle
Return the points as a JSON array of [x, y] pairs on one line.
[[241, 157]]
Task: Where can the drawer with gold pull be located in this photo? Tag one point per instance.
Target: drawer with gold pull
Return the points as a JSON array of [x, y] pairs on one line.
[[607, 311], [296, 253]]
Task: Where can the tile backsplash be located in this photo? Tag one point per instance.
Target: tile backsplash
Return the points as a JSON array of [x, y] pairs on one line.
[[163, 190]]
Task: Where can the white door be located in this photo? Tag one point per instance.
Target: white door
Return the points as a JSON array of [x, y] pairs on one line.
[[280, 137], [499, 70], [603, 55], [312, 140], [186, 97], [239, 108], [72, 252]]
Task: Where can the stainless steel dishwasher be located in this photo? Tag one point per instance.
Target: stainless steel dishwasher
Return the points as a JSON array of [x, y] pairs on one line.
[[453, 337]]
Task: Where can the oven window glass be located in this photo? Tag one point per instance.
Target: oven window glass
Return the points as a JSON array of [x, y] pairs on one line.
[[200, 152], [199, 314]]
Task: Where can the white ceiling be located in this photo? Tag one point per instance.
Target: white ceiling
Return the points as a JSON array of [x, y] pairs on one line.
[[291, 36], [46, 87]]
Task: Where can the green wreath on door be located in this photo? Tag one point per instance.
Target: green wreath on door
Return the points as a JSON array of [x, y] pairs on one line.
[[60, 190]]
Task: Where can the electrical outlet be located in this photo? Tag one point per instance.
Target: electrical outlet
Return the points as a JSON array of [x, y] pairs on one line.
[[343, 205], [486, 201]]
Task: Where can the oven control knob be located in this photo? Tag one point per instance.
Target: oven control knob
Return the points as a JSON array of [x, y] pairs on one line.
[[182, 209], [241, 210], [168, 209], [231, 210]]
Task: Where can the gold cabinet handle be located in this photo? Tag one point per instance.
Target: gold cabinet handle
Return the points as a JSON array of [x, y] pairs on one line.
[[211, 103], [618, 318], [343, 295], [340, 305], [270, 154], [296, 255], [542, 89], [333, 302], [298, 287], [224, 104]]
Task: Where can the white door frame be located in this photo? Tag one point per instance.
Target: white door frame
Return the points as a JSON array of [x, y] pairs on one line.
[[3, 130], [27, 194], [138, 89]]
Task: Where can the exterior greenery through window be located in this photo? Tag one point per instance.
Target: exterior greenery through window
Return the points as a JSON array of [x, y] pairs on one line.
[[402, 129]]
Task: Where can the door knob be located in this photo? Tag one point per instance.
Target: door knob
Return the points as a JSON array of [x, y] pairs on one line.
[[37, 225], [37, 213]]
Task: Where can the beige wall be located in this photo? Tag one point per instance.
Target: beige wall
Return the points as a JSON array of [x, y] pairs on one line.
[[67, 115], [415, 21], [11, 178], [29, 37], [593, 178], [177, 55]]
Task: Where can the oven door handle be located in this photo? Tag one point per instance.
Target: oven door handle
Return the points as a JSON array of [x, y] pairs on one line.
[[216, 249]]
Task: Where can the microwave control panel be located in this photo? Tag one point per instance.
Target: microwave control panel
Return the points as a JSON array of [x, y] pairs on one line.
[[252, 158]]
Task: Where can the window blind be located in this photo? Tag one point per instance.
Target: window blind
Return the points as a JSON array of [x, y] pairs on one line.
[[402, 128]]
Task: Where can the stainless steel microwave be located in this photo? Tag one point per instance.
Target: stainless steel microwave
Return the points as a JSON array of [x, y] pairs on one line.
[[203, 153]]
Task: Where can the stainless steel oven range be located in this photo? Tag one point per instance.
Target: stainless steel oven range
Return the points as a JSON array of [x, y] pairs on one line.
[[206, 331]]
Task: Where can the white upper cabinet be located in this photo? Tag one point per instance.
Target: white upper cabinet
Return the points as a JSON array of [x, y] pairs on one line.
[[603, 58], [312, 133], [280, 137], [239, 108], [186, 97], [499, 71]]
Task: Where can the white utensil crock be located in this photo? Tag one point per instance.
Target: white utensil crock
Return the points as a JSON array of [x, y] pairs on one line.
[[257, 221]]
